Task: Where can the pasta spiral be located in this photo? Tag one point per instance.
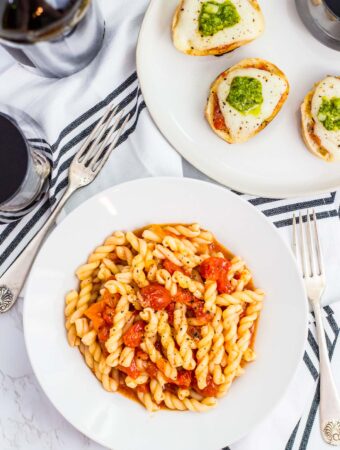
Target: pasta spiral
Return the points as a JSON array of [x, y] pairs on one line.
[[185, 282], [183, 340], [149, 315], [166, 314], [71, 301], [157, 388], [210, 295], [146, 399], [162, 252], [114, 343], [217, 351], [230, 321], [173, 402], [164, 278], [167, 341], [203, 346]]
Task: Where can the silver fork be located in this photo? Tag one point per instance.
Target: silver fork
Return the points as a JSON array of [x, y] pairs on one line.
[[312, 267], [84, 168]]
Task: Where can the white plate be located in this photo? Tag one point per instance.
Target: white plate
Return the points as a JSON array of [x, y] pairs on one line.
[[275, 163], [111, 419]]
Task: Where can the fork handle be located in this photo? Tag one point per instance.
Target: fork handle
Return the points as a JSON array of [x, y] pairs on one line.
[[329, 399], [12, 281]]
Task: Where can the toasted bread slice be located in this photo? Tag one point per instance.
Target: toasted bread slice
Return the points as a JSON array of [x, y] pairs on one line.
[[232, 125], [319, 141], [188, 39]]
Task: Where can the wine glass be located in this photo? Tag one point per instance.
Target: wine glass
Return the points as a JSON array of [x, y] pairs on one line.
[[24, 166]]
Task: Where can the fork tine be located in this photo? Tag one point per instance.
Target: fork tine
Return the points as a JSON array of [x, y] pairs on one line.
[[104, 127], [101, 147], [102, 156], [317, 245], [107, 140], [310, 246], [83, 149], [302, 246]]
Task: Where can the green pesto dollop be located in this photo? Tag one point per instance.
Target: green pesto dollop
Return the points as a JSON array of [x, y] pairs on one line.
[[215, 17], [245, 95], [329, 113]]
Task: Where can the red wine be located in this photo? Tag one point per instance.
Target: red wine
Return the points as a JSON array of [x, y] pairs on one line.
[[34, 20], [334, 6], [13, 158]]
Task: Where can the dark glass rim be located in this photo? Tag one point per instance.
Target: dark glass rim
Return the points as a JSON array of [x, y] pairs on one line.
[[13, 122], [53, 31], [311, 24], [331, 11]]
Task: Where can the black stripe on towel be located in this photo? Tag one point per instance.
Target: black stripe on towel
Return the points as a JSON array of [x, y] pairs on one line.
[[291, 440], [81, 119], [301, 205], [310, 366], [136, 110], [319, 215]]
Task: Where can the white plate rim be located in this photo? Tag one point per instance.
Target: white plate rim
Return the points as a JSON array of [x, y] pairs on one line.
[[157, 180], [187, 153]]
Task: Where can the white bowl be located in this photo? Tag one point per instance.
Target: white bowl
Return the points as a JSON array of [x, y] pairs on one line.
[[113, 420]]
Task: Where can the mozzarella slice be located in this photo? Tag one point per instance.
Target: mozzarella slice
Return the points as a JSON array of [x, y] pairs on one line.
[[241, 126], [187, 36], [330, 140]]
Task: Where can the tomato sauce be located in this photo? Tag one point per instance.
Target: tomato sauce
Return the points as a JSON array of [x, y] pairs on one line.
[[218, 119], [129, 393]]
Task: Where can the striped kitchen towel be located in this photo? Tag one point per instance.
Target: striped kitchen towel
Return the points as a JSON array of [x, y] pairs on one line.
[[294, 424], [67, 111]]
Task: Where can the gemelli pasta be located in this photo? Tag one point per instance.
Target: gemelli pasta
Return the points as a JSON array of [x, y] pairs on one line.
[[165, 315]]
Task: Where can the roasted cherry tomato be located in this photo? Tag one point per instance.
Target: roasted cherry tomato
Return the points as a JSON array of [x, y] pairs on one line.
[[216, 269], [156, 296], [184, 378], [184, 296], [108, 315], [103, 333], [131, 371], [134, 335], [102, 312], [142, 355], [224, 285], [211, 268], [94, 313], [211, 390], [171, 267], [202, 317], [110, 299]]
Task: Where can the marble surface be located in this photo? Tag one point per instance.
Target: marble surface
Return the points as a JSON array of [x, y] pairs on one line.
[[28, 421]]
